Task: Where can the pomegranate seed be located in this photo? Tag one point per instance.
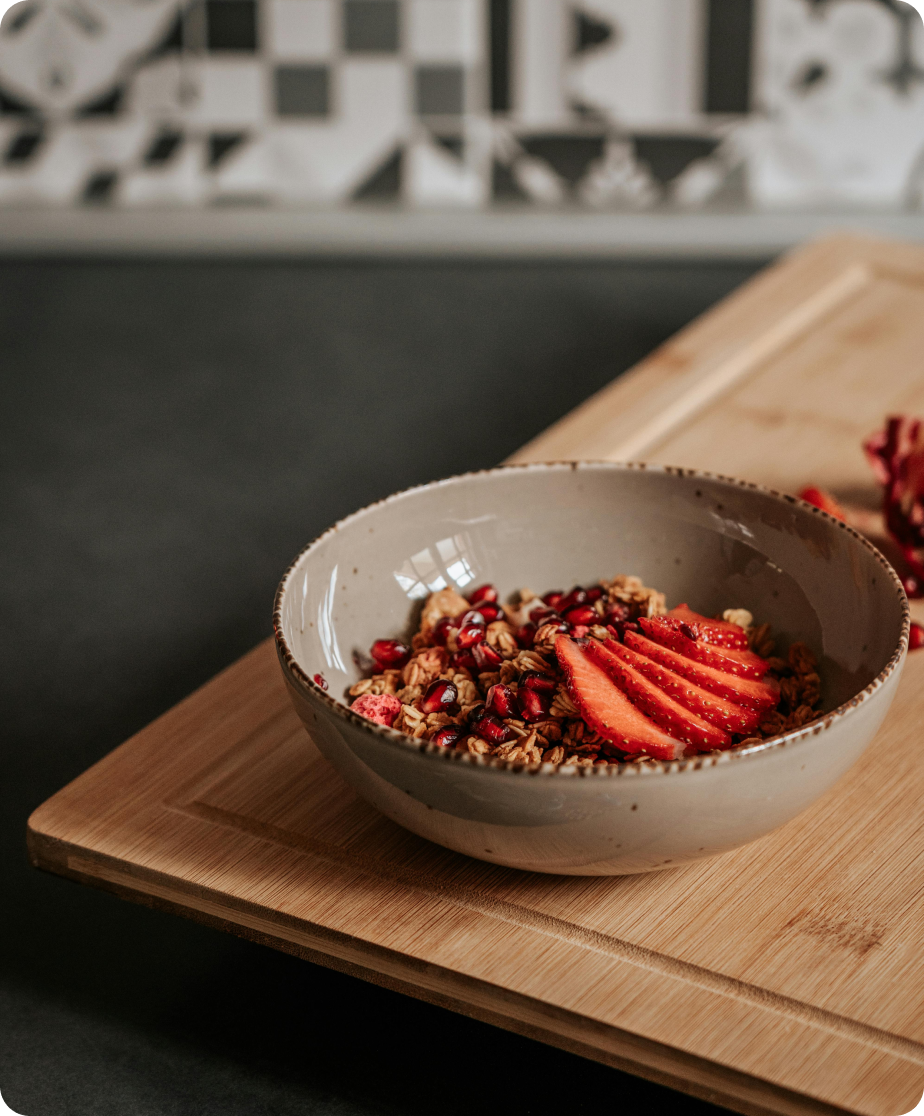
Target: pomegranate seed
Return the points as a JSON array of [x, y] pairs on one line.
[[623, 626], [913, 587], [526, 636], [501, 701], [689, 632], [492, 729], [442, 630], [594, 594], [533, 706], [321, 681], [464, 660], [390, 653], [615, 612], [541, 683], [916, 638], [471, 629], [484, 593], [486, 657], [577, 596], [541, 616], [447, 737], [554, 599], [490, 610], [441, 696], [583, 614]]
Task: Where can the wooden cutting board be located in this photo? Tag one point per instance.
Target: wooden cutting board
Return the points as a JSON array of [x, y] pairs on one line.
[[787, 977]]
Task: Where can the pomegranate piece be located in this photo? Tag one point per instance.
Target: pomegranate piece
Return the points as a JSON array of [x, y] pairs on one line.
[[540, 616], [443, 629], [594, 593], [526, 636], [734, 688], [645, 695], [447, 737], [541, 683], [463, 660], [554, 598], [717, 711], [670, 633], [577, 596], [896, 455], [492, 729], [321, 681], [471, 629], [621, 627], [616, 612], [483, 593], [533, 705], [719, 632], [380, 708], [441, 697], [490, 610], [607, 709], [390, 654], [486, 657], [583, 615], [502, 701], [913, 586], [818, 498], [916, 638]]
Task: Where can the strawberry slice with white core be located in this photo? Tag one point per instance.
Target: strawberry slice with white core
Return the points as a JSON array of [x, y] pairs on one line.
[[670, 633], [655, 703], [742, 691], [712, 708], [720, 632], [607, 710]]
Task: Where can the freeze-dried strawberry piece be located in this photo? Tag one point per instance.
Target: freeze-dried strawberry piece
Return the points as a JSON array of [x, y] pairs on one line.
[[823, 500], [719, 632], [742, 691], [717, 711], [655, 703], [607, 710], [381, 708], [670, 633]]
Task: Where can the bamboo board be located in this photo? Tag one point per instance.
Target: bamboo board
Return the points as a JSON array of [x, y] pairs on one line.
[[784, 978]]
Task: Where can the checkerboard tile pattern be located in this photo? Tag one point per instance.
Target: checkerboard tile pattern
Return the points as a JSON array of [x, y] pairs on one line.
[[461, 103]]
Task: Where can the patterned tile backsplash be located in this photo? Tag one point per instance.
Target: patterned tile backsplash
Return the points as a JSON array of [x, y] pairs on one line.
[[620, 104]]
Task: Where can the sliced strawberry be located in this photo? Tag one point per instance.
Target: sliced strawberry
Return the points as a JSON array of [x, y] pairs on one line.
[[712, 708], [607, 710], [824, 500], [742, 691], [684, 639], [719, 632], [656, 704]]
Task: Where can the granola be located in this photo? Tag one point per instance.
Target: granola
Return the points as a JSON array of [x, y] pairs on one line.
[[600, 675]]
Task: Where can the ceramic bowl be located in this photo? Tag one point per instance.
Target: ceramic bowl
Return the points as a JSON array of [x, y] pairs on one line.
[[713, 542]]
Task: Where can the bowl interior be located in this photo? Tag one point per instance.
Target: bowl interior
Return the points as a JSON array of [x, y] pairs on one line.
[[713, 543]]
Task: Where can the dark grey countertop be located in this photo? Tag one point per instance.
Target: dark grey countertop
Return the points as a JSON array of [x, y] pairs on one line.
[[172, 433]]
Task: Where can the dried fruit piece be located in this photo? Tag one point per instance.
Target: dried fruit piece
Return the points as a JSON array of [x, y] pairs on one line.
[[719, 632], [749, 692], [502, 701], [818, 498], [645, 695], [670, 633], [608, 711], [380, 708], [390, 654], [483, 593], [716, 710], [447, 737], [533, 705], [441, 697]]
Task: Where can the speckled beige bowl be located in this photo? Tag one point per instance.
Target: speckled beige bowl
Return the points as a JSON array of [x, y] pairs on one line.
[[710, 541]]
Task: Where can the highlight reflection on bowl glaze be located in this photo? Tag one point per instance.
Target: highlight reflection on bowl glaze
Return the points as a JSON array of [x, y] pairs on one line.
[[712, 541]]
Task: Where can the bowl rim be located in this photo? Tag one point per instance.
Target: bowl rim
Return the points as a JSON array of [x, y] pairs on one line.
[[651, 767]]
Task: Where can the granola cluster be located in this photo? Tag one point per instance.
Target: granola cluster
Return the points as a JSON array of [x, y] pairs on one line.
[[483, 677]]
